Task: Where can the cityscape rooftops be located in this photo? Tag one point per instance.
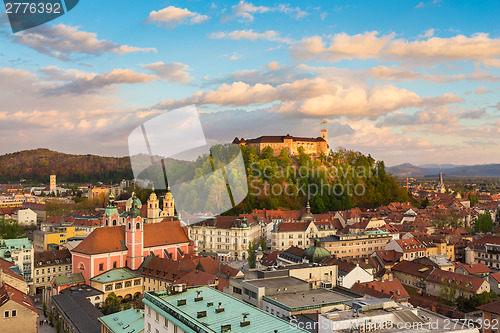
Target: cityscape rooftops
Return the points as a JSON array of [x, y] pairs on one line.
[[116, 274], [131, 320], [313, 298], [237, 316]]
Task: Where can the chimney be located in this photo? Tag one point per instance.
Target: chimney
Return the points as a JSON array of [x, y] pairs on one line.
[[390, 277]]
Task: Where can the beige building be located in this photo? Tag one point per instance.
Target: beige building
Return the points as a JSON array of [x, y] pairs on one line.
[[228, 236], [125, 283], [463, 285], [359, 245], [17, 311], [47, 265], [311, 146]]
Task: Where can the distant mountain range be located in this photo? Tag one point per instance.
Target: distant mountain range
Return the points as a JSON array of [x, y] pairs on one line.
[[480, 170]]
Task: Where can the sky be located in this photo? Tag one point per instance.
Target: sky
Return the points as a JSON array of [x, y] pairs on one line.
[[405, 81]]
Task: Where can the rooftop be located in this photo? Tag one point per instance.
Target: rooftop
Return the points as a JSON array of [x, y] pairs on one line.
[[79, 311], [232, 316], [314, 298], [65, 279], [130, 319], [275, 282], [116, 274]]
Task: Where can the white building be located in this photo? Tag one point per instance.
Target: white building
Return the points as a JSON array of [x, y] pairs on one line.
[[26, 216]]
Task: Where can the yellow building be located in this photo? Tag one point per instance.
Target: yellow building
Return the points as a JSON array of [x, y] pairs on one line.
[[311, 146], [122, 281], [360, 245], [47, 265], [436, 245], [55, 231]]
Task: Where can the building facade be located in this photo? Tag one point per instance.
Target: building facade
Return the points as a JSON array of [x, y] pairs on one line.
[[311, 146], [47, 265], [227, 236]]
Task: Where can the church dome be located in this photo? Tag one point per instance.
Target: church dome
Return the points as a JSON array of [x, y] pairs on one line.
[[138, 202], [316, 253]]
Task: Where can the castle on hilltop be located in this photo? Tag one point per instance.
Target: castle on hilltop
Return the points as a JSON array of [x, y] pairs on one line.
[[312, 146]]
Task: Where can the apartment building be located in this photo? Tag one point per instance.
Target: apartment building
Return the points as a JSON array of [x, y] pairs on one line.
[[20, 252], [227, 236], [360, 245], [47, 265]]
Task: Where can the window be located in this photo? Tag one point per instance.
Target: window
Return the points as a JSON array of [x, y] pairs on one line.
[[157, 331], [149, 327], [14, 313], [166, 322], [6, 314], [114, 264], [157, 316], [101, 267]]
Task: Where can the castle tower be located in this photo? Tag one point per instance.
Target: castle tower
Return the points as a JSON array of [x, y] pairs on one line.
[[324, 134], [168, 204], [53, 184], [134, 236], [153, 207]]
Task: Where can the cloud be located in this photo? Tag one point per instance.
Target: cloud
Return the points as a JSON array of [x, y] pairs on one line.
[[171, 16], [251, 35], [343, 46], [92, 83], [294, 12], [472, 114], [482, 90], [174, 72], [441, 115], [316, 97], [272, 74], [234, 57], [394, 74], [63, 42], [228, 124], [244, 12], [479, 47]]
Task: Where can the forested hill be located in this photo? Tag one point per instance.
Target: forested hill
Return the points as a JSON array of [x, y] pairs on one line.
[[341, 180], [35, 166]]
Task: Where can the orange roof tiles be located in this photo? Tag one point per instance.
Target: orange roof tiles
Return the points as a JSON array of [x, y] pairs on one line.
[[112, 239]]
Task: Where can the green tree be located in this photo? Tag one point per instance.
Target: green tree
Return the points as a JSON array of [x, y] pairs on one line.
[[44, 307], [251, 255], [11, 229], [263, 244], [484, 223], [58, 326], [51, 317], [267, 153], [111, 305]]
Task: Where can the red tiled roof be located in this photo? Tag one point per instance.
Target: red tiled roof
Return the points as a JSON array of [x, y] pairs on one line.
[[410, 245], [387, 288], [474, 268], [389, 256], [8, 292], [496, 276], [293, 226], [271, 258], [493, 307], [52, 257], [465, 282], [112, 239], [412, 268], [479, 244], [197, 278], [5, 267]]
